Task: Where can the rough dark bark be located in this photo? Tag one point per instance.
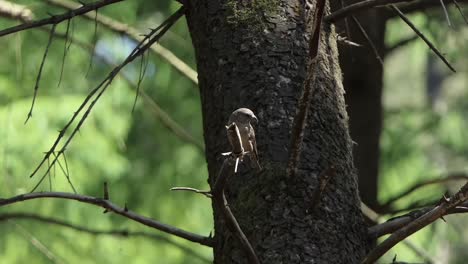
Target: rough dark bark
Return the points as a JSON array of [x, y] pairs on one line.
[[261, 64], [363, 82]]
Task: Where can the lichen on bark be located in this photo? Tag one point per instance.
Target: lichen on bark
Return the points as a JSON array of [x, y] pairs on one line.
[[250, 13]]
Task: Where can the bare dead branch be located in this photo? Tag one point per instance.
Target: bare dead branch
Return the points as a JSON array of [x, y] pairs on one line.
[[65, 170], [368, 39], [393, 224], [54, 20], [444, 207], [66, 48], [95, 38], [303, 104], [445, 13], [39, 74], [376, 218], [358, 7], [134, 34], [421, 35], [189, 189], [449, 178], [96, 232], [231, 221], [162, 115], [460, 10], [227, 170], [419, 6], [52, 257], [109, 206], [150, 39]]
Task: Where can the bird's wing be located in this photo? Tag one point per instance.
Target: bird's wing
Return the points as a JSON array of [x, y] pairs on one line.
[[253, 144]]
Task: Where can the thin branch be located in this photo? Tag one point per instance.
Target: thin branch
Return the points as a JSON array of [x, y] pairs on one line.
[[444, 207], [453, 177], [308, 89], [189, 189], [227, 170], [170, 123], [37, 244], [445, 13], [109, 206], [460, 10], [134, 34], [421, 35], [39, 74], [166, 120], [162, 115], [66, 48], [419, 6], [368, 39], [358, 7], [153, 37], [393, 224], [54, 20], [377, 219], [96, 232], [94, 40], [399, 44]]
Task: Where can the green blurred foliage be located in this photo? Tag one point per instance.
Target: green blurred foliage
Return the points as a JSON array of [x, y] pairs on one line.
[[421, 141], [141, 159], [132, 151]]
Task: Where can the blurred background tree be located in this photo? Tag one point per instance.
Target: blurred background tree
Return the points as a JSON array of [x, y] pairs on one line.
[[424, 135]]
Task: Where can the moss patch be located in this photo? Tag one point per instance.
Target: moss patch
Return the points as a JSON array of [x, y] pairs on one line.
[[250, 14]]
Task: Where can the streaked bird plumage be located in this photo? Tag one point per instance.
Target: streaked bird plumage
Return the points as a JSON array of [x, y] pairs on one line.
[[243, 118]]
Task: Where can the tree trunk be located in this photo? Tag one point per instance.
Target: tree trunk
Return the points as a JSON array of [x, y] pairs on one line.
[[363, 82], [254, 54]]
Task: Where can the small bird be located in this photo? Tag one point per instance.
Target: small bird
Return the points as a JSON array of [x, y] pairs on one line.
[[243, 117]]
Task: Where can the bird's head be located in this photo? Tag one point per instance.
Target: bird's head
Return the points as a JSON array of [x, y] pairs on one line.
[[243, 116]]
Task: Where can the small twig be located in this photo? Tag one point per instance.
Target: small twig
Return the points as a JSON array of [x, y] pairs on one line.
[[460, 10], [134, 34], [446, 13], [444, 207], [39, 74], [94, 40], [106, 191], [108, 205], [452, 177], [376, 218], [66, 47], [54, 20], [96, 232], [37, 243], [358, 7], [189, 189], [65, 171], [393, 224], [231, 221], [368, 39], [153, 37], [421, 35]]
